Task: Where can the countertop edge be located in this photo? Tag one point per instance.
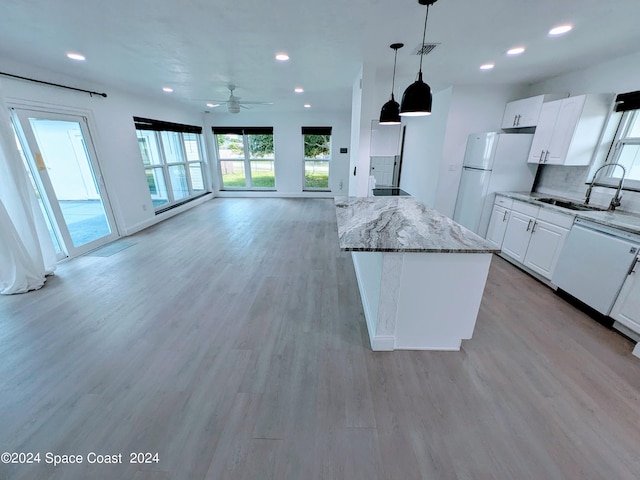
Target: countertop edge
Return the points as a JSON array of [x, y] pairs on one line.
[[613, 219]]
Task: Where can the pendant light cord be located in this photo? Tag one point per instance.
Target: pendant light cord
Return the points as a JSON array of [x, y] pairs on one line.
[[393, 82], [424, 36]]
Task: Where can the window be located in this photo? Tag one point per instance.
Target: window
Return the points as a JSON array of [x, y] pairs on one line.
[[173, 161], [624, 128], [246, 158], [317, 157]]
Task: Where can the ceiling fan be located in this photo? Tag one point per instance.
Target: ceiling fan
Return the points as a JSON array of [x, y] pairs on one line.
[[233, 103]]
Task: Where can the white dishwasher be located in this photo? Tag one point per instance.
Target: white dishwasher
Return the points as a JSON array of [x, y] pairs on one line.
[[594, 263]]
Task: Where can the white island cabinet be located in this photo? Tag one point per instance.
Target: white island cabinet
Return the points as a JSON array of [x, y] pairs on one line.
[[421, 275]]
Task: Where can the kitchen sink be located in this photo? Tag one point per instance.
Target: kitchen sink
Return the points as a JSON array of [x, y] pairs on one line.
[[558, 202]]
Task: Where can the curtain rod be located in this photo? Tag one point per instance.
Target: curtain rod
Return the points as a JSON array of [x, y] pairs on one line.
[[54, 84]]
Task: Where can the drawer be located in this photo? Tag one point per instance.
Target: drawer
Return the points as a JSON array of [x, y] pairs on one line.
[[525, 208], [505, 202], [564, 220]]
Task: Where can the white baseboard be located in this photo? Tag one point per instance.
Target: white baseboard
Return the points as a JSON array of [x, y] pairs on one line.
[[165, 215], [383, 343], [258, 194]]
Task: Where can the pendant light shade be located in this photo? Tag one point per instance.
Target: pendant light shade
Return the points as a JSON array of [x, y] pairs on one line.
[[390, 113], [417, 98]]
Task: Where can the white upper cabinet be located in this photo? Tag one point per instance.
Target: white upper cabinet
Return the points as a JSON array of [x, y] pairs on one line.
[[524, 113], [569, 129]]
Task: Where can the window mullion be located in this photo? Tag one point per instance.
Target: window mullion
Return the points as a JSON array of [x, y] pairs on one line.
[[247, 161], [185, 164], [165, 168]]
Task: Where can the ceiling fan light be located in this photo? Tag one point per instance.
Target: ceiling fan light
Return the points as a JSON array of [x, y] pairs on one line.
[[390, 113], [417, 99]]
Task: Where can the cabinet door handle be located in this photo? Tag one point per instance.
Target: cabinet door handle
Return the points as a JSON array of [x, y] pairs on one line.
[[518, 120], [529, 225], [504, 217], [546, 156], [515, 117], [533, 229], [541, 156]]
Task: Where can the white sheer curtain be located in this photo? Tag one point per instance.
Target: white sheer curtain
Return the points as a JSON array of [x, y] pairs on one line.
[[27, 254]]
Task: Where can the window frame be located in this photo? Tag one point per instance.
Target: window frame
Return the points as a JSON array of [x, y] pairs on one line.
[[160, 132], [615, 136], [327, 131], [246, 158]]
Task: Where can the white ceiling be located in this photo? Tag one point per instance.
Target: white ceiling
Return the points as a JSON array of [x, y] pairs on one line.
[[198, 47]]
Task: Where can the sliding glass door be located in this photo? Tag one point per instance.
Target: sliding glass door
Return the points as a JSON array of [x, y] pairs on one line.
[[61, 159]]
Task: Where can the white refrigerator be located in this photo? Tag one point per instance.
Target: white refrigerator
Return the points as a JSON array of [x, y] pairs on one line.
[[493, 162]]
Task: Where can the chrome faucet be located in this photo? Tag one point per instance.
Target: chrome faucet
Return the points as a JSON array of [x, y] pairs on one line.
[[615, 201]]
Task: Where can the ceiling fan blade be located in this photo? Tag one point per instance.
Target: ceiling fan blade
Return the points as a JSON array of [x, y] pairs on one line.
[[256, 103]]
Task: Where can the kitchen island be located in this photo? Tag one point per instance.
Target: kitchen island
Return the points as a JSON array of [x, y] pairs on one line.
[[421, 275]]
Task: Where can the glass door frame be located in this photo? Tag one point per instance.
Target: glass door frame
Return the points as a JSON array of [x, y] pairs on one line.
[[31, 149]]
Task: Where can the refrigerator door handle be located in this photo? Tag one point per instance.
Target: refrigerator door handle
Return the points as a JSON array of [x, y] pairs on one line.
[[632, 269]]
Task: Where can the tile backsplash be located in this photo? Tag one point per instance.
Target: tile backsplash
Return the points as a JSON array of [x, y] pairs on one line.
[[571, 182]]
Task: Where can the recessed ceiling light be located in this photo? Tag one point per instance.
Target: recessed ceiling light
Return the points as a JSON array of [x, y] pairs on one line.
[[307, 105], [560, 30], [282, 57], [298, 90], [211, 105], [515, 51], [487, 66], [76, 56], [167, 89]]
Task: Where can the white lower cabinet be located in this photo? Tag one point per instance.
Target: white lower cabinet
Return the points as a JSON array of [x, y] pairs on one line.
[[544, 248], [498, 225], [626, 310], [517, 236], [534, 237]]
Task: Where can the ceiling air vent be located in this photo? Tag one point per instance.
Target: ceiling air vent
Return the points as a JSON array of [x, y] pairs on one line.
[[425, 49]]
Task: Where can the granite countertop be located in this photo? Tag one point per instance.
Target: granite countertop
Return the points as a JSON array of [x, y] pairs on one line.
[[401, 224], [627, 221]]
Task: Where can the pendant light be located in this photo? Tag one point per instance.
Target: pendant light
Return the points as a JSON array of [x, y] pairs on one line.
[[416, 100], [390, 113]]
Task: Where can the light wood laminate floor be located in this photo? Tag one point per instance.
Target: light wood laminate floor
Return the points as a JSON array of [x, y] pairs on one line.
[[230, 339]]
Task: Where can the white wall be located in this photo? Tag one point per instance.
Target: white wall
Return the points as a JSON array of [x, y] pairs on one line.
[[356, 113], [369, 109], [614, 76], [288, 145], [423, 148]]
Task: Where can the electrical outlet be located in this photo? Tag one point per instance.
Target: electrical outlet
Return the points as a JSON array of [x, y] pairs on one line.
[[144, 207], [340, 184]]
